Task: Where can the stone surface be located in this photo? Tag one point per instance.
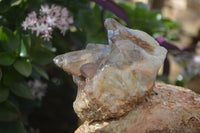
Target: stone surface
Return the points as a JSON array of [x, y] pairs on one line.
[[168, 109], [113, 78]]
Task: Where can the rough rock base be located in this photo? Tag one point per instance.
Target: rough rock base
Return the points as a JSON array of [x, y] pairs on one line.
[[168, 109]]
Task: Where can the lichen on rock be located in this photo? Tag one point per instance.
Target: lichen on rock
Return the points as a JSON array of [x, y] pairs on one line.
[[113, 78]]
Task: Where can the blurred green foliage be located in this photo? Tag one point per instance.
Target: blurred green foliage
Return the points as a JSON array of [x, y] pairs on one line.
[[152, 22], [24, 57]]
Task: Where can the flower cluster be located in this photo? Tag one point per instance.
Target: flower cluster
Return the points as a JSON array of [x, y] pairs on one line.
[[48, 18], [38, 89]]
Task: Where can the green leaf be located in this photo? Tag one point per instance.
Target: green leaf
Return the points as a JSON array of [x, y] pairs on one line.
[[17, 84], [27, 42], [78, 38], [6, 58], [172, 36], [47, 46], [42, 57], [4, 5], [15, 2], [170, 24], [41, 72], [11, 77], [179, 83], [8, 41], [93, 29], [12, 127], [0, 74], [163, 78], [23, 67], [25, 46], [8, 111], [23, 50], [4, 93], [21, 89]]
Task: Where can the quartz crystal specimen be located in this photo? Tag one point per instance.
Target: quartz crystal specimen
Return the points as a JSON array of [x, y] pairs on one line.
[[113, 78]]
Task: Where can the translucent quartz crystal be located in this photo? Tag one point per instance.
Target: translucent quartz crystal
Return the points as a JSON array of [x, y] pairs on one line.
[[113, 78]]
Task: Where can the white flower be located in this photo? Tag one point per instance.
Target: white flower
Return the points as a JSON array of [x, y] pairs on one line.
[[37, 28], [63, 29], [71, 20], [63, 22], [38, 89], [32, 22], [64, 12], [32, 15], [47, 36], [197, 59], [44, 28], [56, 10], [45, 9], [49, 18], [25, 24]]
